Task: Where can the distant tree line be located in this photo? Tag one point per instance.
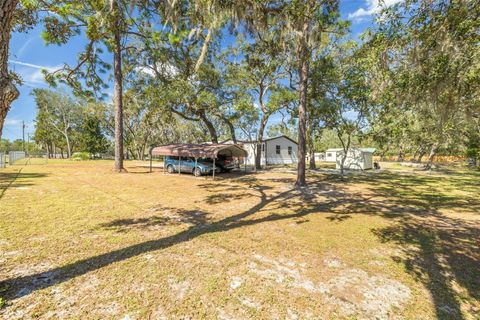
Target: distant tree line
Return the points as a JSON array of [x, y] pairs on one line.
[[18, 145], [66, 124]]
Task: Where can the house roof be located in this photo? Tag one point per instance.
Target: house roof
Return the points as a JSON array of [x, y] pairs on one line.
[[207, 150], [369, 150], [334, 149], [268, 139], [282, 136]]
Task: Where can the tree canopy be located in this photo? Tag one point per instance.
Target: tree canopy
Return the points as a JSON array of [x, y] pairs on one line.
[[212, 70]]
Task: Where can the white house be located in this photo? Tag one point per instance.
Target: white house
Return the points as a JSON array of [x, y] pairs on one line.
[[319, 156], [331, 154], [278, 150], [357, 158]]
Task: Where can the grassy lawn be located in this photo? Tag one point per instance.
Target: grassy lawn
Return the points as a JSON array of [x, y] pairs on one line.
[[78, 241]]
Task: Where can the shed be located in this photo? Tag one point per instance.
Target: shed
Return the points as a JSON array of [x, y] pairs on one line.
[[357, 159]]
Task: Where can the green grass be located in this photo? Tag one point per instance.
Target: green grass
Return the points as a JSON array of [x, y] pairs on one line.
[[79, 241]]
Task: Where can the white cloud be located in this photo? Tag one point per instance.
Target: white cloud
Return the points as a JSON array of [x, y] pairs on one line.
[[373, 7], [31, 65], [36, 77], [12, 122], [24, 47]]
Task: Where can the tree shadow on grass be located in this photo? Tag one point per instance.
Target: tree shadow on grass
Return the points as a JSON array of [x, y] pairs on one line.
[[438, 251], [169, 217], [21, 286], [17, 180], [441, 252], [17, 287]]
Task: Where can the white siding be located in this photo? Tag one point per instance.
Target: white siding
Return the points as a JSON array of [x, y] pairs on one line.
[[251, 149], [367, 160], [319, 156], [283, 145], [331, 155], [356, 160], [270, 156]]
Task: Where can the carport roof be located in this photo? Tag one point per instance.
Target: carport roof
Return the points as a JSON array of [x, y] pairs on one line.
[[204, 150]]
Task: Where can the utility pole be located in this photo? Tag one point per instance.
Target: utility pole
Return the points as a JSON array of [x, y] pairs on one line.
[[28, 143], [23, 135]]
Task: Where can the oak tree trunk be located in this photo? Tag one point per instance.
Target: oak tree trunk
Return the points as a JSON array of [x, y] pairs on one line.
[[231, 128], [261, 130], [420, 156], [431, 156], [400, 157], [69, 147], [210, 126], [312, 165], [8, 91]]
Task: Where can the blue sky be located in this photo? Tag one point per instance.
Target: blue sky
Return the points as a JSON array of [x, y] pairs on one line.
[[28, 55]]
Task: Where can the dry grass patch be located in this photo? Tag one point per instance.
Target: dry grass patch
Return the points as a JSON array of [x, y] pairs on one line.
[[78, 241]]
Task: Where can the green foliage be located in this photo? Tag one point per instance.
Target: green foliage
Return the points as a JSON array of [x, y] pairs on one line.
[[81, 156], [472, 151], [283, 129], [66, 122], [411, 87], [15, 145], [99, 21], [422, 73], [91, 137], [58, 111]]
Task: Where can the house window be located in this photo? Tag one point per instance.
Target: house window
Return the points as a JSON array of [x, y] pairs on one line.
[[290, 150], [277, 148], [329, 154]]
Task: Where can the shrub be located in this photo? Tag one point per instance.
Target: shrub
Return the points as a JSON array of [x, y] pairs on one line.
[[79, 156]]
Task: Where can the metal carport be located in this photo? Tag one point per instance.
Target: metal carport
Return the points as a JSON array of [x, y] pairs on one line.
[[204, 150]]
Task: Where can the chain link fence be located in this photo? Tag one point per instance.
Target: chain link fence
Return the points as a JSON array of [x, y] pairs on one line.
[[37, 158], [13, 158], [16, 156], [2, 160]]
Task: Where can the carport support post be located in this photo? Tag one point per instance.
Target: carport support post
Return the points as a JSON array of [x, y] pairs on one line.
[[179, 159], [195, 168], [213, 168]]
